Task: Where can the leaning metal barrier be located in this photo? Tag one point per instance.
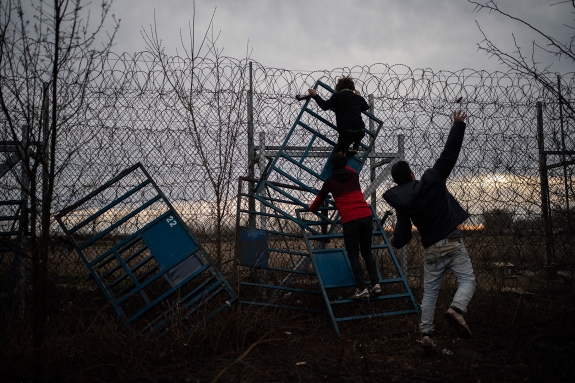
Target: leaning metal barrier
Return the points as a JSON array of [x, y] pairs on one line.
[[143, 257]]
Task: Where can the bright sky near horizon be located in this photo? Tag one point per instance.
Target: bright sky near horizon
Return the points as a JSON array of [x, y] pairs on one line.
[[327, 34]]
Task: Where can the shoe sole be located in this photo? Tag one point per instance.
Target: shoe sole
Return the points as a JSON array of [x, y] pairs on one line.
[[428, 350], [461, 330], [427, 347]]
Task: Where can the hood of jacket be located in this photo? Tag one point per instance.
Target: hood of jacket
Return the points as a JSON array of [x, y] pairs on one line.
[[341, 175]]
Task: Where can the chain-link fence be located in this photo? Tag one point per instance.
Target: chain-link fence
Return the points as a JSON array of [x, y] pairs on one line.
[[187, 123]]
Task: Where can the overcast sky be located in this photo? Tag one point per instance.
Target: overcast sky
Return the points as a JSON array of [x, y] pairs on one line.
[[328, 34]]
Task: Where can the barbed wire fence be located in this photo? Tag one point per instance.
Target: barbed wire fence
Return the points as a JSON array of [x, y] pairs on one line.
[[186, 121]]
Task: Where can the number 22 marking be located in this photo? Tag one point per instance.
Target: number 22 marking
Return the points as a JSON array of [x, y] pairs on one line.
[[171, 221]]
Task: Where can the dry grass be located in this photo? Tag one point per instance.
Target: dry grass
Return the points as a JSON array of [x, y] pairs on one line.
[[86, 342]]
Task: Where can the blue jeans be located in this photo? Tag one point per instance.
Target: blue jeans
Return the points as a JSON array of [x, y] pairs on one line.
[[438, 258]]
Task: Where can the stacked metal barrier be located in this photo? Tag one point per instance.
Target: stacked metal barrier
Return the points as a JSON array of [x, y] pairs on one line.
[[11, 237], [278, 250], [12, 231]]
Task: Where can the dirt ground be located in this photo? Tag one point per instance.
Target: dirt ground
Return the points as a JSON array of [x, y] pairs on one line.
[[515, 339]]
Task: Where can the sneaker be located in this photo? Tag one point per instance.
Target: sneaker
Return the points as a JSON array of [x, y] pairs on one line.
[[359, 294], [428, 344], [352, 151], [375, 290], [456, 320]]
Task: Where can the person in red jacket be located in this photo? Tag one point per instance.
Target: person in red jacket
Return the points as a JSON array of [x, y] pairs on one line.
[[356, 219], [347, 104]]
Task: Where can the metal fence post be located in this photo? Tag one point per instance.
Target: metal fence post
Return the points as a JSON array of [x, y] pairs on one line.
[[45, 145], [251, 152], [405, 249], [372, 160], [565, 178], [262, 166], [24, 196], [544, 186]]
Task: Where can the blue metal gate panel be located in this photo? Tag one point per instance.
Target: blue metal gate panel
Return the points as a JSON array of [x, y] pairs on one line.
[[169, 241], [333, 267], [334, 272], [252, 247], [143, 254]]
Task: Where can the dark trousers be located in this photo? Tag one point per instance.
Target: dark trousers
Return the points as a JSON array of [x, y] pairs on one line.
[[347, 138], [356, 236]]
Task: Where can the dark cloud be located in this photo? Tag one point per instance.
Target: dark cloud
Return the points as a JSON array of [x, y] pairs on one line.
[[326, 34]]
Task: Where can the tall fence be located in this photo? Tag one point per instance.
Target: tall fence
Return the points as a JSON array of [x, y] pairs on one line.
[[187, 123]]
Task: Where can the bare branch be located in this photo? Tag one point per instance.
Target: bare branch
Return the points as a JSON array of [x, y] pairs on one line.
[[55, 50], [562, 49], [516, 60]]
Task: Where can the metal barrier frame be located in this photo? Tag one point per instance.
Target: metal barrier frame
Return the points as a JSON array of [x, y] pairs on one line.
[[261, 194], [314, 251], [187, 304], [17, 230]]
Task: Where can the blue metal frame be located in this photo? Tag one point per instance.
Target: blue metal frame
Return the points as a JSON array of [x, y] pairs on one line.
[[252, 257], [7, 249], [344, 277], [283, 194], [355, 161], [166, 251]]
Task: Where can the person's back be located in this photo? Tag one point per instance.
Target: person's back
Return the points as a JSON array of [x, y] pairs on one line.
[[429, 205], [427, 202], [343, 184], [347, 104]]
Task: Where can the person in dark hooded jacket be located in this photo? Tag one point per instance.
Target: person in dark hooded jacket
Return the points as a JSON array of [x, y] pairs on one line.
[[436, 213], [347, 104], [356, 219]]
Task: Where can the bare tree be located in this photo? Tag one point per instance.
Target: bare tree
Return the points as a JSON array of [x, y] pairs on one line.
[[523, 60], [211, 92], [50, 52]]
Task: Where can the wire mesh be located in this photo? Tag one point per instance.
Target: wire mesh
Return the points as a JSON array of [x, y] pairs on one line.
[[186, 122]]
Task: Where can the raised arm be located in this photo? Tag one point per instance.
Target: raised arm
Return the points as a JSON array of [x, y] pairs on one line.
[[364, 104], [323, 104], [446, 161], [321, 196]]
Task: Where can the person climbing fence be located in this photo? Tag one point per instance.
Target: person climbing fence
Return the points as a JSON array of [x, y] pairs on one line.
[[347, 103], [356, 219]]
